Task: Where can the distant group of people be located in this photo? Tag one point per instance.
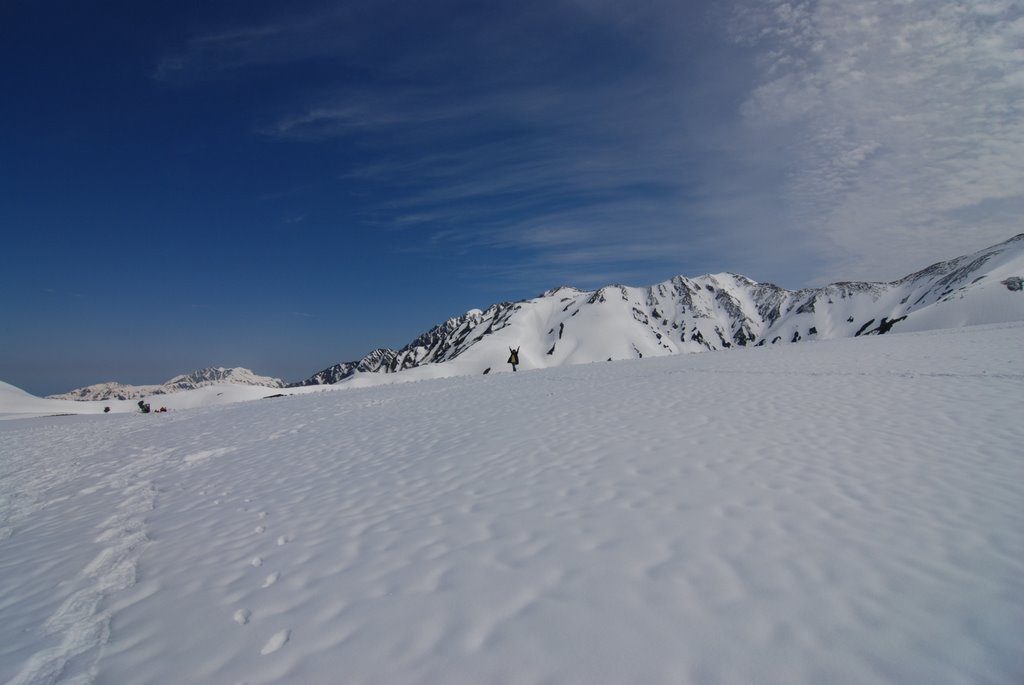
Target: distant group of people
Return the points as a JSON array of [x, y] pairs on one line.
[[146, 409]]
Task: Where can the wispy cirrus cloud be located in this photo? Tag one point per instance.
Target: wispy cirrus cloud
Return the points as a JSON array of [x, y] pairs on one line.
[[288, 38], [549, 158], [545, 132]]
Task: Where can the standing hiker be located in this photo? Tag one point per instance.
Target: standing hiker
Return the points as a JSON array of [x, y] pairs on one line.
[[513, 357]]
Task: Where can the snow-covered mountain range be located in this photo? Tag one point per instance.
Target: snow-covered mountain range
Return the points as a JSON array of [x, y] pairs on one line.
[[567, 325], [190, 381], [712, 312]]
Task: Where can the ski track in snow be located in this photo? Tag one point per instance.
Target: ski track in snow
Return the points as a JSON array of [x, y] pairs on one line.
[[842, 512]]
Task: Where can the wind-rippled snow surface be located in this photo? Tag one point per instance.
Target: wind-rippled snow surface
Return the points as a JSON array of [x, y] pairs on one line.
[[840, 512]]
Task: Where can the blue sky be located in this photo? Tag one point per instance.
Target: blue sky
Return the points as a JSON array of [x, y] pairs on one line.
[[284, 186]]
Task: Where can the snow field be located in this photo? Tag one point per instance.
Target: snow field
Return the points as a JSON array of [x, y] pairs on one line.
[[843, 512]]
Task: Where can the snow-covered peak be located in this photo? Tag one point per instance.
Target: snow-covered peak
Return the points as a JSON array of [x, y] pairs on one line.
[[562, 291], [221, 375]]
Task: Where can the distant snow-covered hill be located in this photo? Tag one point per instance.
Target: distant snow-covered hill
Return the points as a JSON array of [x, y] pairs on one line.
[[190, 381], [219, 375], [712, 312]]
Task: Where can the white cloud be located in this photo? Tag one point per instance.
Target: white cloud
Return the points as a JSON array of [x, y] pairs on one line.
[[288, 38], [903, 124]]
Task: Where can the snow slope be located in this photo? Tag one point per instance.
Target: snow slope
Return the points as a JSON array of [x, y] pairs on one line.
[[835, 512]]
